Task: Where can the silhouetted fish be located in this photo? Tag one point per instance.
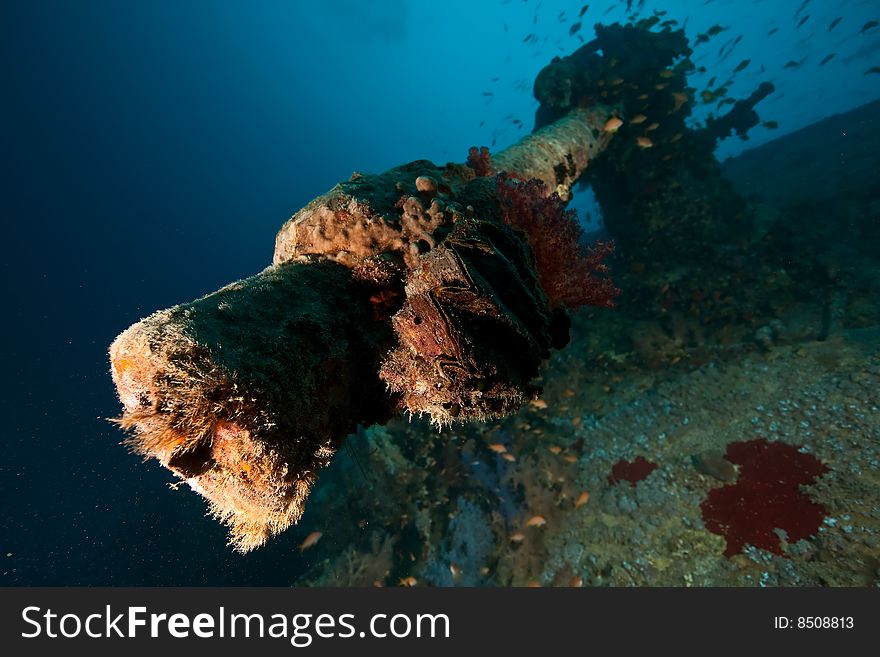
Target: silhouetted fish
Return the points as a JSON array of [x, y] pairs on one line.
[[772, 125], [873, 69], [583, 10], [834, 23], [803, 20], [742, 65], [867, 26], [827, 59], [730, 50], [773, 31], [574, 28], [801, 8]]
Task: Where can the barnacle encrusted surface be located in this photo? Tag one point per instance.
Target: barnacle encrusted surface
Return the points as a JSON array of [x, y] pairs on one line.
[[397, 291], [473, 324], [208, 390]]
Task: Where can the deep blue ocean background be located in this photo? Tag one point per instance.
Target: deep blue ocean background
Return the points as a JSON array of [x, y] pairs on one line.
[[152, 149]]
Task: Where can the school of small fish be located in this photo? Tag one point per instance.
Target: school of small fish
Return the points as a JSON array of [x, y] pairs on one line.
[[808, 20]]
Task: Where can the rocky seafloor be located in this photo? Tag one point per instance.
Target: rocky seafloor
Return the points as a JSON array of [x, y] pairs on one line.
[[670, 449], [448, 508]]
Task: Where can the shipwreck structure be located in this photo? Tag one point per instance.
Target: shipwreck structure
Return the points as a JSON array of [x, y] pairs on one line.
[[425, 289]]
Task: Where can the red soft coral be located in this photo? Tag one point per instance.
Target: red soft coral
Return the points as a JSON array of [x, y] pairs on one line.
[[480, 160], [566, 269]]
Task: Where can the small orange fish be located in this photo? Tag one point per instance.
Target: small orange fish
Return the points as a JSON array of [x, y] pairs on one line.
[[612, 125], [498, 448], [582, 499], [519, 537], [653, 126], [555, 449], [570, 458], [455, 570], [666, 73], [674, 138], [408, 581], [644, 142], [638, 118], [536, 521], [576, 582], [508, 457], [680, 99], [310, 541]]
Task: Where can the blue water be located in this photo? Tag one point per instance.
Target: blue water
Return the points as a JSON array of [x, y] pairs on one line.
[[151, 150]]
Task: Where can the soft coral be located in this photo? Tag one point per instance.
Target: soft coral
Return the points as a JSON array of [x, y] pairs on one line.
[[480, 161], [566, 269]]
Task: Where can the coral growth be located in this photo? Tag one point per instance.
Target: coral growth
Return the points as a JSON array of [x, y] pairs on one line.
[[467, 545], [480, 161], [570, 274], [355, 567], [632, 471], [766, 498]]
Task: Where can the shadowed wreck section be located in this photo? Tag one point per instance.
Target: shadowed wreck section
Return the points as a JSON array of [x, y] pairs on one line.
[[402, 291], [248, 391]]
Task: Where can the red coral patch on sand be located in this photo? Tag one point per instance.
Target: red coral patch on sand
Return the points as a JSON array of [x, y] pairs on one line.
[[632, 471], [766, 496]]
